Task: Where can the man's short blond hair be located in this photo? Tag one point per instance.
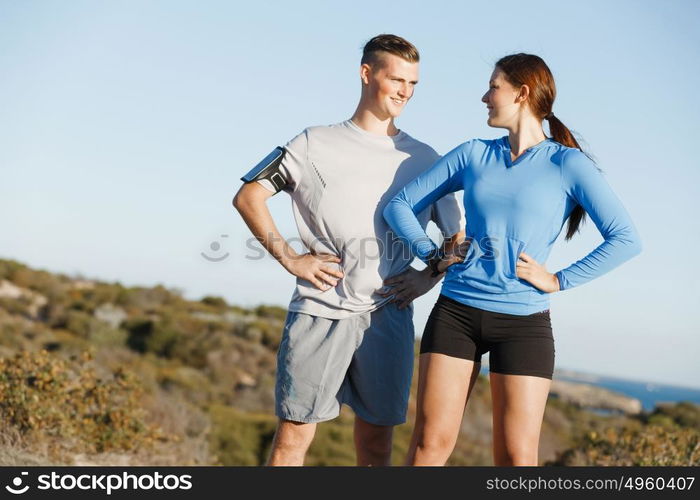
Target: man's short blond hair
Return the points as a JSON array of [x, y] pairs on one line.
[[391, 44]]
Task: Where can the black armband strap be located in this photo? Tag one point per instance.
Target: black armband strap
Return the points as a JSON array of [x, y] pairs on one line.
[[269, 169]]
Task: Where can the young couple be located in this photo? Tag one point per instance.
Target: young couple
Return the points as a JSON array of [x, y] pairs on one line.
[[349, 336]]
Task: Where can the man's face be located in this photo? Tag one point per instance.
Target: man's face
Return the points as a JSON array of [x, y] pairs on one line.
[[390, 84]]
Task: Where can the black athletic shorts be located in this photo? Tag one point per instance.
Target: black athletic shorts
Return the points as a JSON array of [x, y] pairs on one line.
[[517, 345]]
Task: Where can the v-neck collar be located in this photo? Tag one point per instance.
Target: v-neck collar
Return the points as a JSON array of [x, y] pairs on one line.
[[505, 145]]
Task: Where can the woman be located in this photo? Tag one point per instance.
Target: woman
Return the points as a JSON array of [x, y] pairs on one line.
[[519, 191]]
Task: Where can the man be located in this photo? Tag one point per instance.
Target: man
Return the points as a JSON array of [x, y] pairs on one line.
[[348, 338]]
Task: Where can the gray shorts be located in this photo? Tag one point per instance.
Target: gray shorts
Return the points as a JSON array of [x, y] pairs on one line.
[[365, 361]]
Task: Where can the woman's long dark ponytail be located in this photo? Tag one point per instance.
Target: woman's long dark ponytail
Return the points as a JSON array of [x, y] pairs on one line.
[[527, 69]]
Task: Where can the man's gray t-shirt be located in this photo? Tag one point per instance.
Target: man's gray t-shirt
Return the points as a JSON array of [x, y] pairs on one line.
[[340, 178]]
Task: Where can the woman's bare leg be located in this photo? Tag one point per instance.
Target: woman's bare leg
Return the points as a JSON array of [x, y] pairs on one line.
[[444, 385], [518, 409]]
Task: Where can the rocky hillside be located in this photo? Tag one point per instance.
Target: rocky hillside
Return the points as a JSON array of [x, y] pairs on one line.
[[100, 373]]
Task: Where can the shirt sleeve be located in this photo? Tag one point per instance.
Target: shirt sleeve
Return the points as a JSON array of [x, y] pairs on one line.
[[447, 215], [443, 178], [585, 184], [292, 164]]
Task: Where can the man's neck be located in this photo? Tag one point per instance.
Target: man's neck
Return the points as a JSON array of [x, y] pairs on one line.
[[370, 122]]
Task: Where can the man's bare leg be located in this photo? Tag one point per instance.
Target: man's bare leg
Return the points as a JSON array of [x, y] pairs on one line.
[[291, 442], [372, 443]]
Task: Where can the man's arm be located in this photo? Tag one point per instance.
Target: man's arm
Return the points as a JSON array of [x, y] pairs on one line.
[[251, 203]]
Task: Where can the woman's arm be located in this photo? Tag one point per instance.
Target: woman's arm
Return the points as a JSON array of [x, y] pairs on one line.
[[587, 186], [442, 178]]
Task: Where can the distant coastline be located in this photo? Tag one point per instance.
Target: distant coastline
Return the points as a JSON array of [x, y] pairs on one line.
[[648, 393]]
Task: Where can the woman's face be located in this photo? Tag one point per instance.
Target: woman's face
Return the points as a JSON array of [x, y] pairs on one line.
[[501, 101]]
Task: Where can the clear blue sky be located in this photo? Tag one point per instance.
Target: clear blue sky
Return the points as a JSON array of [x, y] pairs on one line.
[[124, 127]]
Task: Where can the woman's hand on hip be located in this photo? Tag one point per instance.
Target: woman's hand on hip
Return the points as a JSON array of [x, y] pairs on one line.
[[536, 274]]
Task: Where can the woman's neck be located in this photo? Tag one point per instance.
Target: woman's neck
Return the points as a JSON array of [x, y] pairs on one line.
[[526, 133]]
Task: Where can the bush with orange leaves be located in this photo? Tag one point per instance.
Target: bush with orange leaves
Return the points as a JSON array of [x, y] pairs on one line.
[[658, 442], [65, 406]]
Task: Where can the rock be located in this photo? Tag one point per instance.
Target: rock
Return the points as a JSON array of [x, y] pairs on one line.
[[226, 317], [83, 285], [591, 397], [10, 290], [35, 300], [233, 317], [110, 314], [245, 380], [205, 316]]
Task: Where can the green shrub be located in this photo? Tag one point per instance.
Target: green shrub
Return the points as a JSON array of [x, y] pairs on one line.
[[149, 299], [685, 414], [263, 331], [163, 340], [216, 302], [273, 312], [139, 331], [102, 334], [20, 305], [106, 294], [79, 323], [9, 267], [239, 438]]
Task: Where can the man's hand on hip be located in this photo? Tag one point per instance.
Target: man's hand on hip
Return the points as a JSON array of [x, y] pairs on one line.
[[409, 285], [315, 268]]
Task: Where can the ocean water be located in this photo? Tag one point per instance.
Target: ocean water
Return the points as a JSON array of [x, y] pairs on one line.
[[648, 393]]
